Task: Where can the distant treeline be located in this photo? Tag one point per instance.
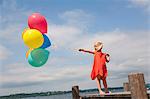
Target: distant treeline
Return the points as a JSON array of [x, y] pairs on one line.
[[24, 95]]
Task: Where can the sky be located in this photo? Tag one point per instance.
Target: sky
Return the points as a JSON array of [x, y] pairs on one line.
[[122, 25]]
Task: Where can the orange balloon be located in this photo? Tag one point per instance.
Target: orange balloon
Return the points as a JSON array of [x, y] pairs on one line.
[[24, 31], [28, 52]]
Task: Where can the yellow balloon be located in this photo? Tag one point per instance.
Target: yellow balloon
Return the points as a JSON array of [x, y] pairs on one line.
[[33, 38]]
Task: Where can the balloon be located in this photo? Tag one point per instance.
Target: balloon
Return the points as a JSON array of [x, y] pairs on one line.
[[37, 21], [46, 43], [28, 52], [38, 57], [33, 38]]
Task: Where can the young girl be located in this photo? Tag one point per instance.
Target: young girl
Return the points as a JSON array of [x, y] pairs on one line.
[[99, 71]]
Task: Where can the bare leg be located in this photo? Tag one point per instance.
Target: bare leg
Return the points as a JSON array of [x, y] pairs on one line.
[[105, 85], [99, 86]]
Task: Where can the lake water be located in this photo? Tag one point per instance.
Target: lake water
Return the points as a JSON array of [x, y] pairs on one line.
[[61, 96], [69, 95]]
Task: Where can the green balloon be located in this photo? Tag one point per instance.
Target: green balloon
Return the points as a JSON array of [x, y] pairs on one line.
[[38, 57]]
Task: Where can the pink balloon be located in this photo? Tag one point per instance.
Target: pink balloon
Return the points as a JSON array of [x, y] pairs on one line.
[[37, 21]]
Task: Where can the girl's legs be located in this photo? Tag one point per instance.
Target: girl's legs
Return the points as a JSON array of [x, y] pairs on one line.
[[105, 85], [99, 85]]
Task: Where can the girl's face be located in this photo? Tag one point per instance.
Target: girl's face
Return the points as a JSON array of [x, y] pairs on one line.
[[95, 47], [98, 47]]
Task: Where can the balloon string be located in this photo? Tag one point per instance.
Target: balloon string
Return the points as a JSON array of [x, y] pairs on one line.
[[54, 46], [75, 50]]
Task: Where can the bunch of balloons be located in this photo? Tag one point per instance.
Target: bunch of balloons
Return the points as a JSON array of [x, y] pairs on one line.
[[37, 41]]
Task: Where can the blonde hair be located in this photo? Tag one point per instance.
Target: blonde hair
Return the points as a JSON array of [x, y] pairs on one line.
[[98, 45]]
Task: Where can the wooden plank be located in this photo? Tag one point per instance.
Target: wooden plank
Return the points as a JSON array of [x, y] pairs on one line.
[[118, 95], [75, 92], [137, 86], [110, 94], [126, 86]]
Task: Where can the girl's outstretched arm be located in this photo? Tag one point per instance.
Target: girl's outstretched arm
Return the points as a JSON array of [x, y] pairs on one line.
[[86, 51]]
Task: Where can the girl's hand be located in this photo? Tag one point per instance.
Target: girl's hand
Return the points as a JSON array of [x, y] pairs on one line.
[[91, 52], [81, 49], [107, 58]]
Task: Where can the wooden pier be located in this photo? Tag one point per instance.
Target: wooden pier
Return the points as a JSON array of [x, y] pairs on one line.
[[134, 89]]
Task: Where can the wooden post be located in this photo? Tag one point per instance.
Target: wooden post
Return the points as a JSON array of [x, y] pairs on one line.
[[137, 86], [126, 86], [75, 92]]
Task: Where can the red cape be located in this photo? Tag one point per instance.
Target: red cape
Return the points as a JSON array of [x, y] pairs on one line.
[[99, 65]]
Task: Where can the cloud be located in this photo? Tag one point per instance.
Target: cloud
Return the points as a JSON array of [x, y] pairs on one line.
[[63, 32], [77, 18], [21, 77], [18, 85], [75, 24], [12, 22], [4, 53], [141, 3]]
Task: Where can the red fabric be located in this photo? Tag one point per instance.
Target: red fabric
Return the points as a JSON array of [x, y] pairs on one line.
[[99, 65]]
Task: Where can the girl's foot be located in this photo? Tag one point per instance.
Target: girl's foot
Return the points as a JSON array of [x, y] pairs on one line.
[[109, 92], [102, 93]]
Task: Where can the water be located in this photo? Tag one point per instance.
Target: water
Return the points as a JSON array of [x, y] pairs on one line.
[[60, 96], [65, 95]]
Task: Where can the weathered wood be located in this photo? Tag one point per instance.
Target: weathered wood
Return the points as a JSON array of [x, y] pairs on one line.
[[126, 86], [75, 92], [121, 95], [118, 95], [137, 86], [106, 97]]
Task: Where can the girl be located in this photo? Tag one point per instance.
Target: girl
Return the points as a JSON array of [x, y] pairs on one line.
[[99, 71]]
